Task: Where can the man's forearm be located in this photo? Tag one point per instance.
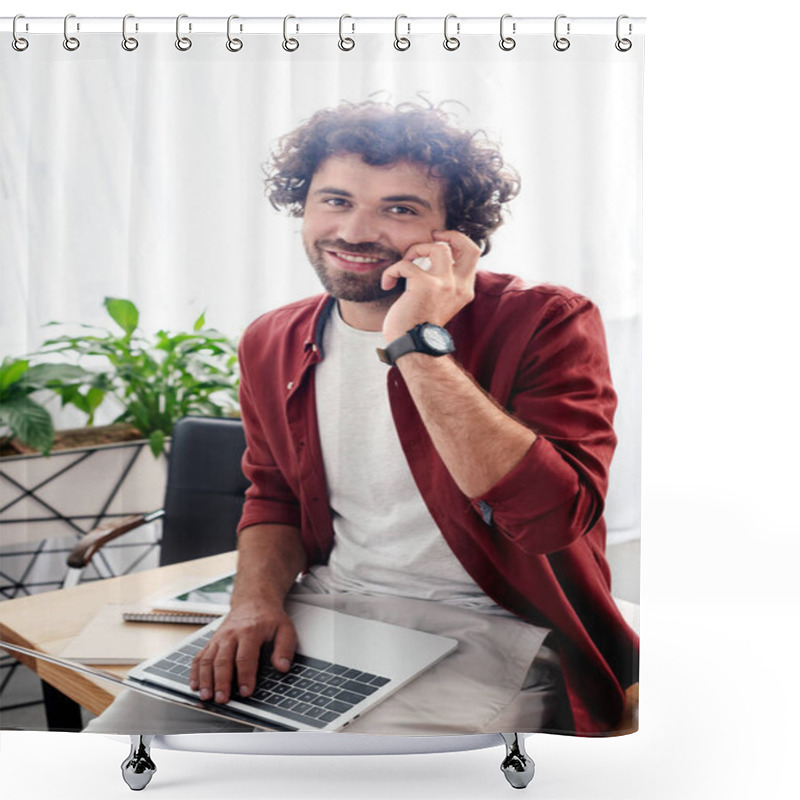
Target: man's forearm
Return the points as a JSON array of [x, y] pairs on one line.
[[477, 440], [269, 560]]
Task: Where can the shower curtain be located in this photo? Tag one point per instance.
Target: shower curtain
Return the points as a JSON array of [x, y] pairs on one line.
[[134, 165]]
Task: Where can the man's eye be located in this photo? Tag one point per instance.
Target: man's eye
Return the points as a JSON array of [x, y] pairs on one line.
[[335, 201], [402, 210]]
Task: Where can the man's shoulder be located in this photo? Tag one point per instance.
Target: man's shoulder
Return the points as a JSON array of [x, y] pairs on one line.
[[504, 291]]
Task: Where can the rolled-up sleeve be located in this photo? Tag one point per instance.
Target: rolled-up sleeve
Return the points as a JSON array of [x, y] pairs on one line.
[[563, 392]]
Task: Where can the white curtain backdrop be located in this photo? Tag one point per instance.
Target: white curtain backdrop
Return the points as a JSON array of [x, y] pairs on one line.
[[138, 174]]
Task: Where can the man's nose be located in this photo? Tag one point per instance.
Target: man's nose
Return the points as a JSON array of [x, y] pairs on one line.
[[359, 226]]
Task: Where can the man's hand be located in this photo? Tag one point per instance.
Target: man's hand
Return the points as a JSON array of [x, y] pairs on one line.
[[234, 650], [435, 295], [270, 558]]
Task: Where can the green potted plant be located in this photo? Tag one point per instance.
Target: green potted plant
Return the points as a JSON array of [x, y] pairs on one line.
[[154, 381], [148, 382]]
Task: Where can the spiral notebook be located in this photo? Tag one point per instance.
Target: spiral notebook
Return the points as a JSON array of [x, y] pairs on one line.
[[195, 603]]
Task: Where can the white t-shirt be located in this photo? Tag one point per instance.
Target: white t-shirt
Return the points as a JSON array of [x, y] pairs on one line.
[[386, 542]]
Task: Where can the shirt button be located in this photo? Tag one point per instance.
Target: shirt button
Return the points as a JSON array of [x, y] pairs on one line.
[[289, 386]]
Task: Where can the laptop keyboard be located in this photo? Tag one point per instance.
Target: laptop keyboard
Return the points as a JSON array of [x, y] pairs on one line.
[[313, 692]]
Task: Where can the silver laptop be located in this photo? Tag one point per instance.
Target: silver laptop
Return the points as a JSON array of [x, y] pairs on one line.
[[344, 666]]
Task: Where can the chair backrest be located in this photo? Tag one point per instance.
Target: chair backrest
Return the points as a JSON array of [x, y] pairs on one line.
[[205, 488]]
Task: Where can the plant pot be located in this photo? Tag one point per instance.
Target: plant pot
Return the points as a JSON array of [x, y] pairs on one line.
[[48, 502], [76, 439]]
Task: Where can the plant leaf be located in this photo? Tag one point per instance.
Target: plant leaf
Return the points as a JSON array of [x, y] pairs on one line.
[[94, 397], [70, 395], [157, 439], [29, 422], [12, 371], [42, 374], [123, 312], [200, 322]]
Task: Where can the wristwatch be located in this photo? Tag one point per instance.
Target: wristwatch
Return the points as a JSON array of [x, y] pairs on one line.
[[423, 338]]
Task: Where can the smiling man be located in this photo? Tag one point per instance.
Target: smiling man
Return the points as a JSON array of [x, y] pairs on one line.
[[427, 432], [352, 235]]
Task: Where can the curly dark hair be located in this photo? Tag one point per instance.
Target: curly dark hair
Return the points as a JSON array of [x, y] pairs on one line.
[[478, 180]]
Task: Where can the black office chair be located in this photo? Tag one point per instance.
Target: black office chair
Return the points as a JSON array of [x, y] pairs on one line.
[[202, 503]]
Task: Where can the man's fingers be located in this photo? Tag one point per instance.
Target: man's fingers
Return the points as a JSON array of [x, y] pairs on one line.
[[205, 672], [401, 269], [233, 654], [212, 670], [194, 672], [438, 255], [284, 645], [459, 242], [423, 262], [247, 656], [420, 259], [223, 671], [465, 252]]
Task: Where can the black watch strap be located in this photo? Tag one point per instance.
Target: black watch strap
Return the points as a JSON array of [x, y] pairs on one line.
[[399, 347], [413, 342]]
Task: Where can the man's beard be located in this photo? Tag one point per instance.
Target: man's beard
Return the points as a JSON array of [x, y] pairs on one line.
[[358, 287]]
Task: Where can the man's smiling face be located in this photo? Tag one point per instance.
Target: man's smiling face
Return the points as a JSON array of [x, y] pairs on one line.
[[359, 219]]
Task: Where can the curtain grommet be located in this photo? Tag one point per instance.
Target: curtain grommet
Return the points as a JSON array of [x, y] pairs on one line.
[[233, 44], [451, 43], [183, 43], [507, 42], [19, 43], [129, 43], [561, 43], [623, 44], [289, 43], [401, 43], [71, 43], [346, 43]]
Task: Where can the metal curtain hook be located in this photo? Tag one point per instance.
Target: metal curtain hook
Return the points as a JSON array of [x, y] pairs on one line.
[[70, 42], [451, 42], [561, 43], [623, 45], [182, 42], [18, 42], [234, 45], [401, 42], [506, 42], [289, 44], [128, 42], [345, 42]]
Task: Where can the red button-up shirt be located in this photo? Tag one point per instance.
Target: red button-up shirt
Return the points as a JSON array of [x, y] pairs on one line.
[[535, 541]]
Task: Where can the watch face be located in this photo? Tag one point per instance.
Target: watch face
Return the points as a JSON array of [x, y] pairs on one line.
[[438, 339]]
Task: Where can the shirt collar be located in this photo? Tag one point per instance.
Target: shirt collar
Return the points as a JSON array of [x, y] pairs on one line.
[[316, 327]]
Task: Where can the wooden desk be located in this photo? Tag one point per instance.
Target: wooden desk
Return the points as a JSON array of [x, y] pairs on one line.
[[46, 622]]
